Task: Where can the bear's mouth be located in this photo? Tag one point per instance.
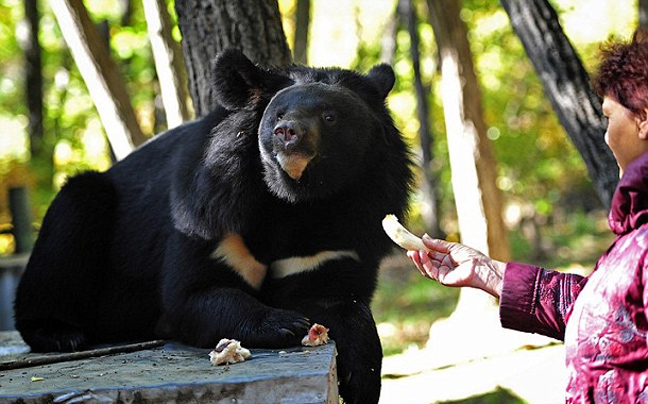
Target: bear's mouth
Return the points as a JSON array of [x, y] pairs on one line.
[[294, 164]]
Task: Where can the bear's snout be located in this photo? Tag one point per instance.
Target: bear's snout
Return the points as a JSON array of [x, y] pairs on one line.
[[289, 133], [295, 144]]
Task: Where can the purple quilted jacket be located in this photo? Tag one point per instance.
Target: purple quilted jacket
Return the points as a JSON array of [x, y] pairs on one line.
[[602, 318]]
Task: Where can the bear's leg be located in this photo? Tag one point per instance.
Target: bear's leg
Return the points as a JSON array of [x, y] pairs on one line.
[[205, 300], [69, 259], [209, 315], [359, 359]]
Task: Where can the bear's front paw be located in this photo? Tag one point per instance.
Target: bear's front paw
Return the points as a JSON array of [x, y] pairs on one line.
[[282, 328], [55, 338]]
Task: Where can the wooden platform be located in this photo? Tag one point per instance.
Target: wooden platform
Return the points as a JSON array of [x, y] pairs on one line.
[[169, 373]]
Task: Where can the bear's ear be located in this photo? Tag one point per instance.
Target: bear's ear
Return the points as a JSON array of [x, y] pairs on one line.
[[383, 77], [237, 81]]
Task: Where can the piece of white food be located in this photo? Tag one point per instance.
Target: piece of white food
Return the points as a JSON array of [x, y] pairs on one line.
[[228, 351], [400, 235]]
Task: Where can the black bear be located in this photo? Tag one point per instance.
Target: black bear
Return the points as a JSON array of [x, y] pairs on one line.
[[251, 223]]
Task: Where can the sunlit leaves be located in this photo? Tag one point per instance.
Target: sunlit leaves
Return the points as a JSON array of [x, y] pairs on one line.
[[536, 161], [127, 43]]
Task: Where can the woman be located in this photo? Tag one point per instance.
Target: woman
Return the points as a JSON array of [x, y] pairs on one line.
[[602, 318]]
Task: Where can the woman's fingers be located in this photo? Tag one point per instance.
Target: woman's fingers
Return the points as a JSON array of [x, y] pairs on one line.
[[455, 253], [432, 264], [415, 257], [422, 262], [436, 244]]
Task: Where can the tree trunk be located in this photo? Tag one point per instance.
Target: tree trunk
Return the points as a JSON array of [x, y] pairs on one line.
[[101, 76], [643, 13], [34, 77], [41, 151], [210, 26], [430, 211], [478, 200], [127, 12], [302, 22], [168, 63], [568, 87], [388, 38]]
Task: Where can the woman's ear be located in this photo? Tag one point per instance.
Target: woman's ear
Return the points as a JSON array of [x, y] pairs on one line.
[[642, 123]]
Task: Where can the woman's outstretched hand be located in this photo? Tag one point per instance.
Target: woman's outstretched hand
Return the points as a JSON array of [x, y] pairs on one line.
[[455, 264]]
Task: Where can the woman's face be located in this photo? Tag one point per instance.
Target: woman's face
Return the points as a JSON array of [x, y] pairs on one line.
[[626, 133]]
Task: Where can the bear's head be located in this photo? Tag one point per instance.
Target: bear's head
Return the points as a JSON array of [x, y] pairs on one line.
[[321, 129]]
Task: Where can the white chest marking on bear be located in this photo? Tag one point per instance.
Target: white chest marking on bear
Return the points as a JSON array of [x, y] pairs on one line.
[[295, 265], [233, 251]]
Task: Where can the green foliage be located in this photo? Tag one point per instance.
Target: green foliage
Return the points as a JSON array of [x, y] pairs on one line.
[[522, 124], [540, 172], [406, 304], [72, 128], [538, 166]]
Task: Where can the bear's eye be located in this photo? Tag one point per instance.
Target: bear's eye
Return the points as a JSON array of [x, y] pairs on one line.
[[280, 116], [329, 117]]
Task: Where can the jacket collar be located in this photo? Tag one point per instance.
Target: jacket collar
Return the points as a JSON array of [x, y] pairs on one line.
[[629, 208]]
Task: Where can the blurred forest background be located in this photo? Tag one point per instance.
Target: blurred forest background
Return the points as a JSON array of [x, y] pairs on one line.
[[551, 210]]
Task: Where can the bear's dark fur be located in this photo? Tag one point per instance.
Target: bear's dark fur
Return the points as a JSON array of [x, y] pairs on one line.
[[251, 223]]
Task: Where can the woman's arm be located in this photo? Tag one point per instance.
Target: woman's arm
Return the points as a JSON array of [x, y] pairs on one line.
[[454, 264], [532, 299]]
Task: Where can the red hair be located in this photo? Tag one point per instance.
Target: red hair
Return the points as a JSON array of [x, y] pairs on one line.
[[623, 72]]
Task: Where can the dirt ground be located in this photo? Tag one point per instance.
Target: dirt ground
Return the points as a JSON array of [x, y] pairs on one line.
[[527, 375], [469, 358]]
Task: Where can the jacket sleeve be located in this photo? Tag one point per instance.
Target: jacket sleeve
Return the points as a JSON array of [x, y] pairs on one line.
[[537, 300]]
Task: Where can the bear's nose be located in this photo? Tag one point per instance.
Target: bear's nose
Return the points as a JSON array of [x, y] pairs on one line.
[[288, 132]]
